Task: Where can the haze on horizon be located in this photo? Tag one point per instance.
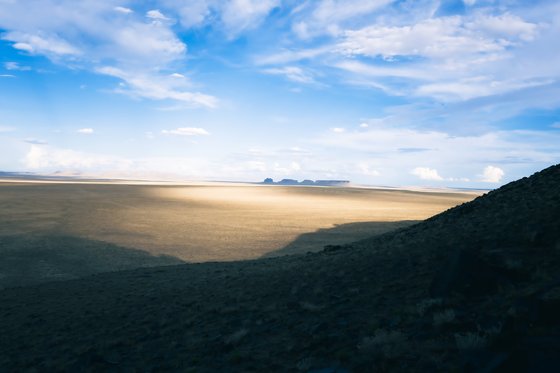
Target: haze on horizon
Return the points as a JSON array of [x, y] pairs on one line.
[[442, 93]]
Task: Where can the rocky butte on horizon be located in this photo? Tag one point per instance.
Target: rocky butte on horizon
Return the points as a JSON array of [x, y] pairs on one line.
[[270, 181]]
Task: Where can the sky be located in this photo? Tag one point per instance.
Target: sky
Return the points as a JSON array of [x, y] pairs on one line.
[[462, 93]]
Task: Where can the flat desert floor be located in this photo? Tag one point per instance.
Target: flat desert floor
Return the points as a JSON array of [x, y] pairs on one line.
[[51, 231]]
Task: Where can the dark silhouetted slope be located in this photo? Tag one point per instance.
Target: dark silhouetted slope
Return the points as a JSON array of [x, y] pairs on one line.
[[476, 288]]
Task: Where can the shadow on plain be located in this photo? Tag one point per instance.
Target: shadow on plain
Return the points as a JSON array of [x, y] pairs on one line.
[[338, 235], [32, 259]]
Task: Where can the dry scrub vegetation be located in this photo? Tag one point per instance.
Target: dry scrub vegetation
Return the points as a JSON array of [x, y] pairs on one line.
[[476, 288], [56, 231]]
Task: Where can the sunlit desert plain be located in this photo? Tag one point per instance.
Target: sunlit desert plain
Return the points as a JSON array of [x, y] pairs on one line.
[[51, 231]]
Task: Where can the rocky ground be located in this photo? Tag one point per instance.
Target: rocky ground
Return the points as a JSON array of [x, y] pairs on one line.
[[476, 288]]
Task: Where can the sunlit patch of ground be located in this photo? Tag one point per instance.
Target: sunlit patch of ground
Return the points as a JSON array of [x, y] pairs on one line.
[[208, 222]]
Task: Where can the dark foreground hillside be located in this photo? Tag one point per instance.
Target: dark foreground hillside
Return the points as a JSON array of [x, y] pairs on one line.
[[476, 288]]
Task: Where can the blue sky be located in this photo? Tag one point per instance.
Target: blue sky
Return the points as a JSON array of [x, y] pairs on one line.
[[440, 93]]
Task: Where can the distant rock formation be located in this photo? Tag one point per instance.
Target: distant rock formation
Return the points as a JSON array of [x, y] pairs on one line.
[[288, 182], [332, 182], [270, 181]]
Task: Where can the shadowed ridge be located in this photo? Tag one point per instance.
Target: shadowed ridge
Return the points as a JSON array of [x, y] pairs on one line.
[[497, 261], [314, 241], [525, 211]]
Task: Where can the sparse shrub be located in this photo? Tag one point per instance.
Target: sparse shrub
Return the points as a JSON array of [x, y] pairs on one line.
[[444, 317], [470, 341], [384, 342], [236, 337], [513, 264], [541, 275], [477, 340], [491, 332], [426, 304], [308, 306], [304, 364]]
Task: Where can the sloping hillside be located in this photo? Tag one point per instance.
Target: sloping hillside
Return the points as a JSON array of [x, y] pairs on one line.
[[474, 288]]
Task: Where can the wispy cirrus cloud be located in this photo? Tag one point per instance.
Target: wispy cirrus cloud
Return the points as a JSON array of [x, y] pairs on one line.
[[15, 66], [233, 16], [163, 87], [156, 14], [329, 17], [122, 9], [407, 49], [293, 73], [187, 131], [106, 38]]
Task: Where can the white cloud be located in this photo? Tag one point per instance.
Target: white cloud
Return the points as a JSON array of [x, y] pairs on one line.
[[293, 73], [187, 131], [426, 173], [289, 56], [366, 169], [506, 26], [332, 11], [7, 76], [492, 174], [15, 66], [233, 16], [414, 53], [152, 43], [239, 15], [156, 14], [45, 157], [192, 13], [85, 131], [339, 130], [391, 148], [364, 125], [158, 87], [301, 30], [41, 43], [86, 35], [23, 47], [437, 37], [123, 10], [328, 17], [416, 72], [465, 89]]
